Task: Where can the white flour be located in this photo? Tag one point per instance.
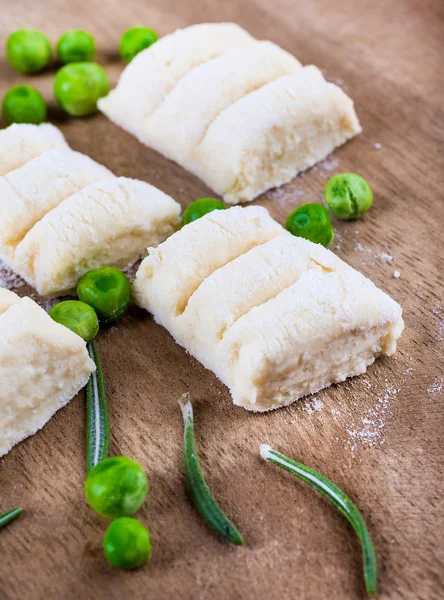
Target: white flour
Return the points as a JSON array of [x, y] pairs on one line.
[[287, 196], [438, 313], [382, 256], [369, 430], [313, 406], [436, 387]]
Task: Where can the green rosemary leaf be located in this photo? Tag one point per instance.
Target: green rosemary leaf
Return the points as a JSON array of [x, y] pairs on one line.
[[97, 421], [342, 503]]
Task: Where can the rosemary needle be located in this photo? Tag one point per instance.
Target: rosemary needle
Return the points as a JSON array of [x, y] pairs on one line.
[[97, 422], [342, 503], [199, 491], [9, 516]]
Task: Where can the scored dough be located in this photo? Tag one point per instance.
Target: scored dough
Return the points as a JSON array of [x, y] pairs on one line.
[[155, 71], [273, 316], [107, 223], [264, 139], [20, 143], [255, 277], [181, 120], [174, 270], [29, 192]]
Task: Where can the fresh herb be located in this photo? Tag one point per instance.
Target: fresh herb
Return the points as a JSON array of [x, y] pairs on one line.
[[342, 503], [9, 516], [97, 421], [199, 490]]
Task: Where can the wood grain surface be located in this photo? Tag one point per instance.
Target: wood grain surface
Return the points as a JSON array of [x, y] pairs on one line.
[[378, 436]]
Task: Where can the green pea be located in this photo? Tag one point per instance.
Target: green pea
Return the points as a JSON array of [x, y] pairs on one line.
[[311, 221], [135, 40], [28, 51], [23, 104], [76, 45], [78, 86], [108, 291], [116, 487], [126, 544], [201, 207], [77, 316], [348, 195]]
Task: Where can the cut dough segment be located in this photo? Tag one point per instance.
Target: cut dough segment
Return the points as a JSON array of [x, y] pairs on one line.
[[7, 299], [155, 71], [171, 273], [282, 320], [254, 278], [181, 120], [324, 328], [28, 193], [20, 143], [281, 129], [42, 366], [110, 222]]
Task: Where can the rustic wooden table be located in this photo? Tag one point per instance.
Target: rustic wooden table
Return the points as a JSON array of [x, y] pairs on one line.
[[378, 436]]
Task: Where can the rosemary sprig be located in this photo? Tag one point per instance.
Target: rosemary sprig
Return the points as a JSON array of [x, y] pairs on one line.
[[9, 516], [200, 493], [342, 503], [97, 421]]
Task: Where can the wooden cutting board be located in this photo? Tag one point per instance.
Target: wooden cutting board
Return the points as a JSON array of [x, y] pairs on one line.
[[378, 436]]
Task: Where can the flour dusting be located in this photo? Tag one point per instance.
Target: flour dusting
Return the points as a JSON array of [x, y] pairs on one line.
[[360, 248], [382, 256], [367, 429], [436, 387], [313, 406], [286, 197], [370, 430], [438, 312], [385, 257], [328, 165]]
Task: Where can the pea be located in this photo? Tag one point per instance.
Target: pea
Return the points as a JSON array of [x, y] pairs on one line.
[[23, 104], [311, 221], [135, 40], [78, 86], [116, 487], [201, 207], [76, 45], [28, 51], [348, 195], [77, 316], [108, 291], [126, 544]]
